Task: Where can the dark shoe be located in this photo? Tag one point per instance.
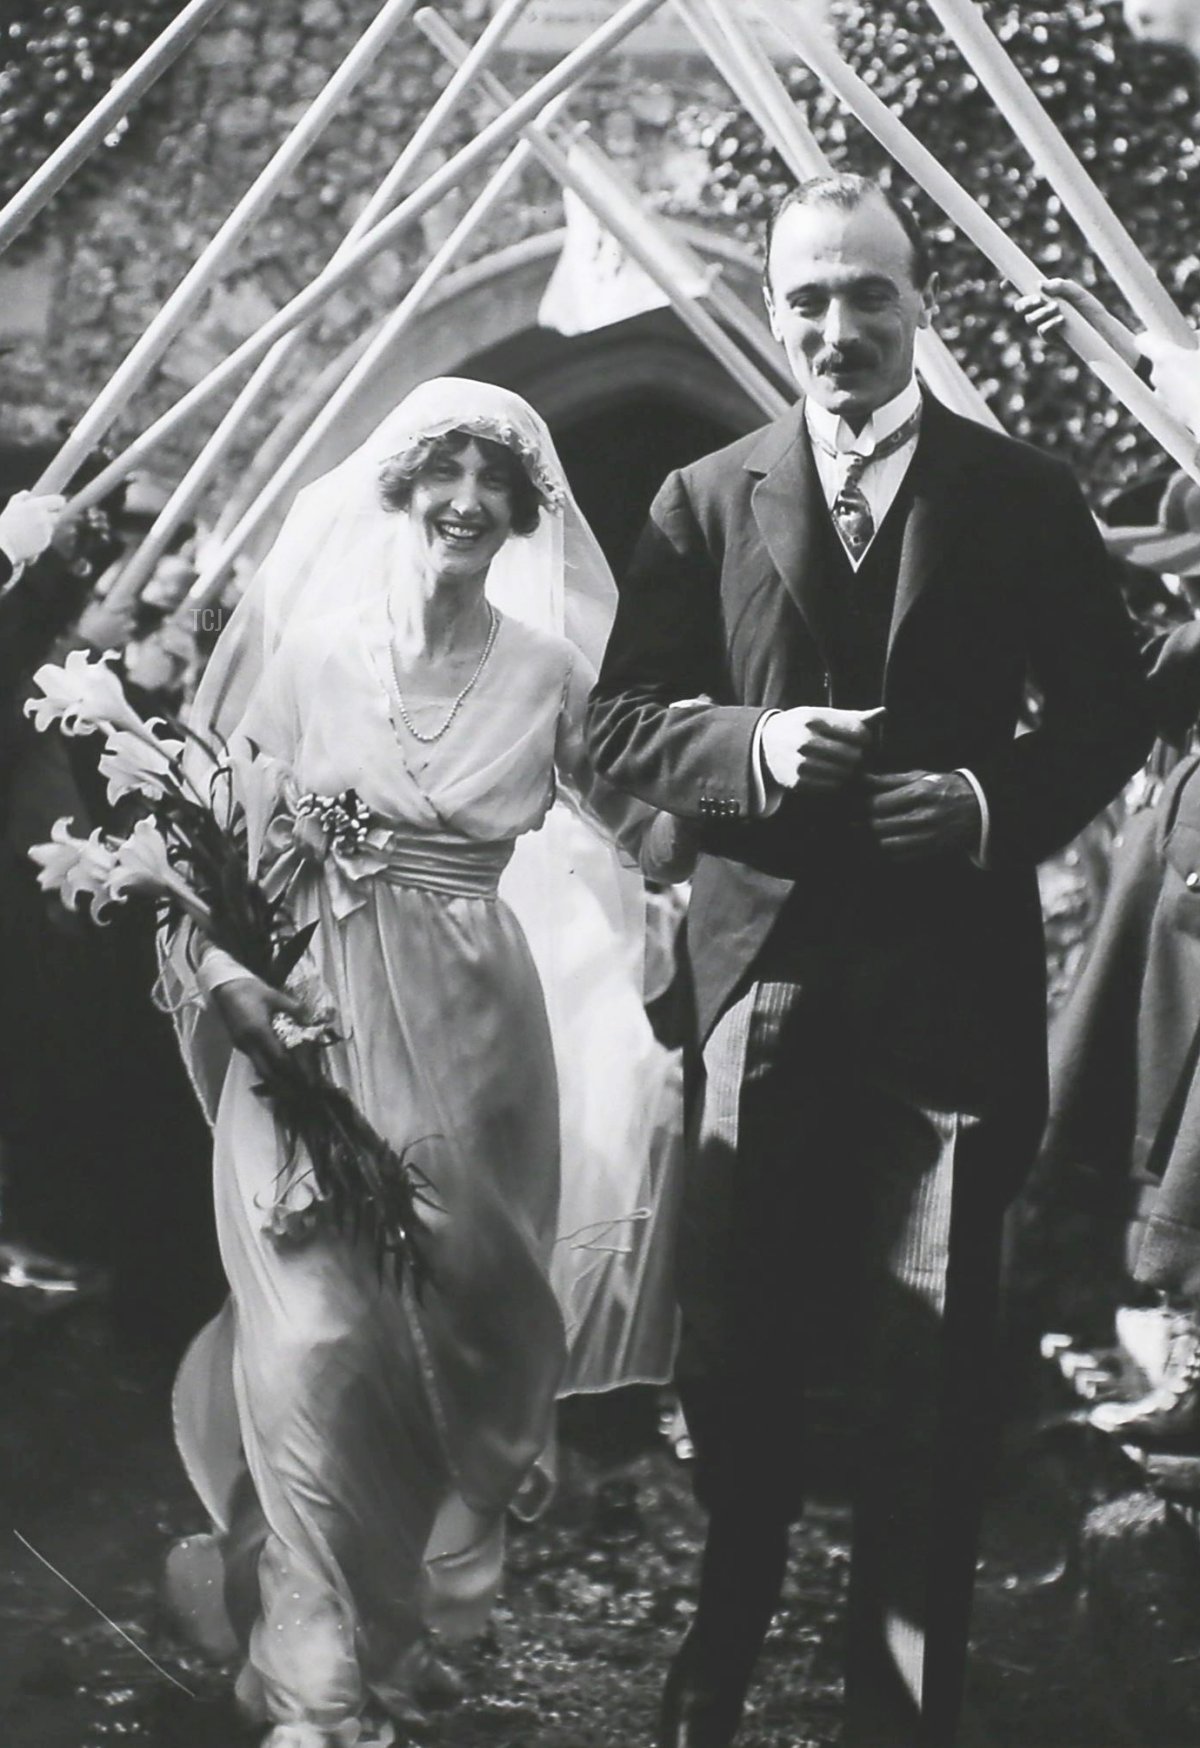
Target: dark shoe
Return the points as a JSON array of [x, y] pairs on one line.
[[696, 1714]]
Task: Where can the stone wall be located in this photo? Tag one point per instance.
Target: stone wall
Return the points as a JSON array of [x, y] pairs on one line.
[[77, 294]]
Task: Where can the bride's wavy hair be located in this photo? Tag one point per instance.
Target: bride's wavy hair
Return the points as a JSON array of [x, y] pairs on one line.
[[399, 473]]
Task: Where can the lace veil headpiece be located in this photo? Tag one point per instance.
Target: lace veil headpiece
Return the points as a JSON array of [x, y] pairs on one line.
[[331, 555]]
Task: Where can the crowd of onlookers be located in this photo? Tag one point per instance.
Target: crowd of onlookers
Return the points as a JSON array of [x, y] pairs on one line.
[[1109, 1219], [103, 1154], [1112, 1215]]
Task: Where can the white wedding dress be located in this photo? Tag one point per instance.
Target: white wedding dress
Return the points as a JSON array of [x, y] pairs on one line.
[[355, 1444]]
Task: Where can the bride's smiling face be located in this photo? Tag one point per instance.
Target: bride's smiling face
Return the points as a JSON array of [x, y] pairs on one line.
[[461, 511]]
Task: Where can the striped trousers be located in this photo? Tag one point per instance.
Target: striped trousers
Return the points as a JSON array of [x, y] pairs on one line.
[[835, 1230]]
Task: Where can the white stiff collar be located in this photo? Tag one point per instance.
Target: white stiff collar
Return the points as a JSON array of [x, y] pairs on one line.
[[831, 430]]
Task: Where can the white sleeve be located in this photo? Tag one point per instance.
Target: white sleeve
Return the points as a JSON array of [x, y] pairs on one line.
[[1176, 377], [766, 792], [215, 968]]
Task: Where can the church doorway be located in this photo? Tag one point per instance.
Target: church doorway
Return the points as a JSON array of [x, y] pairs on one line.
[[617, 458], [625, 406]]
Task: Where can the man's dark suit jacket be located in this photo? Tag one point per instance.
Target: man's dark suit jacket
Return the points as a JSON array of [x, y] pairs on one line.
[[935, 967]]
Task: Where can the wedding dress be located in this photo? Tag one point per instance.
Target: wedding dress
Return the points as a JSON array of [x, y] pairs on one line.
[[357, 1443]]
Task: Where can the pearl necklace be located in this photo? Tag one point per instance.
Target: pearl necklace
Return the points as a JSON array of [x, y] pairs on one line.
[[406, 719]]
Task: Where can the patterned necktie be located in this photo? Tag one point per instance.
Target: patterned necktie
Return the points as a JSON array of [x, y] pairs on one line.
[[850, 510]]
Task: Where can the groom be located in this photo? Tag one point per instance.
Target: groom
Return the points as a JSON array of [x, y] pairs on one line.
[[822, 658]]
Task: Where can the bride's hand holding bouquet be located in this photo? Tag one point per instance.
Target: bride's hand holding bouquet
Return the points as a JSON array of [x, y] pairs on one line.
[[190, 851]]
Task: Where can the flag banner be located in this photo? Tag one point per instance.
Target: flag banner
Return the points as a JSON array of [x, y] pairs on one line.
[[595, 283], [552, 27]]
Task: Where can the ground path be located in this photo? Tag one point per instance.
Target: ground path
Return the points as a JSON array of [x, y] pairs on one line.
[[597, 1592]]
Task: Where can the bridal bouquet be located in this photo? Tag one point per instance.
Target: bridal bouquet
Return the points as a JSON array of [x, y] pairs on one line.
[[187, 853]]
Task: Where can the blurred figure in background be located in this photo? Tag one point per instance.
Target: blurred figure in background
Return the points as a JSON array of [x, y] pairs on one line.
[[1125, 1086], [1111, 1218], [46, 572], [104, 1155]]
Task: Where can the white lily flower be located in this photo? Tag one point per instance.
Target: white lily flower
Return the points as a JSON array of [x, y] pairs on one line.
[[141, 865], [91, 875], [82, 696], [142, 862], [135, 766], [57, 858], [76, 868]]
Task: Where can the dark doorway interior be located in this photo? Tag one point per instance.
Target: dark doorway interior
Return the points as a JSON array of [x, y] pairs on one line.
[[625, 404], [617, 457]]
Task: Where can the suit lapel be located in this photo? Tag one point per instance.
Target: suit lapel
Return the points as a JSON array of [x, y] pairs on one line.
[[789, 506], [938, 513], [788, 503]]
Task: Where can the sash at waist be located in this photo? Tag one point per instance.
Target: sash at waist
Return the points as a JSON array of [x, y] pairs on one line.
[[461, 869], [351, 851]]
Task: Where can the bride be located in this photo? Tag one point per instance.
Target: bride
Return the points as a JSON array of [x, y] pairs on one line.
[[420, 635]]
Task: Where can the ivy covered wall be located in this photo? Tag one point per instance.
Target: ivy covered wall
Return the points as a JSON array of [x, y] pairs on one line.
[[59, 56], [122, 233]]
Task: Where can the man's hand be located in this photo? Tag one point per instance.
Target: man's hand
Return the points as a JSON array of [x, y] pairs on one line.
[[1043, 311], [27, 525], [247, 1006], [105, 625], [914, 814], [816, 747]]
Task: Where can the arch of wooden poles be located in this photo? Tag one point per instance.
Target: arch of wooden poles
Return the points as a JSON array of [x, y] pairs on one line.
[[532, 128]]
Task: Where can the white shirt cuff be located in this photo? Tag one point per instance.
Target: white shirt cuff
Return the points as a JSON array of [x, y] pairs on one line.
[[216, 968], [765, 792], [979, 856]]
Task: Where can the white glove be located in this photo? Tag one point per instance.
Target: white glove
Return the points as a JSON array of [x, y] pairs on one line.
[[27, 525], [1176, 377]]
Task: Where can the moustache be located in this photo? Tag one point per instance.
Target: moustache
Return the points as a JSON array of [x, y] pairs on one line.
[[852, 358]]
